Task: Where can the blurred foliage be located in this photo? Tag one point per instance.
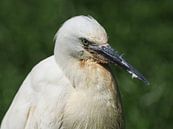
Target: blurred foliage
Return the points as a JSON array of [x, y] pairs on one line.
[[141, 29]]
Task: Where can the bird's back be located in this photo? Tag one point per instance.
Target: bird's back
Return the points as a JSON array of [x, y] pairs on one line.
[[39, 102]]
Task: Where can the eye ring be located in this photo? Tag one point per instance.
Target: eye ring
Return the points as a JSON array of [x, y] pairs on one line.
[[85, 42]]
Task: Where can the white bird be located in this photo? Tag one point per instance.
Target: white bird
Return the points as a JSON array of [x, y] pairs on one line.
[[74, 88]]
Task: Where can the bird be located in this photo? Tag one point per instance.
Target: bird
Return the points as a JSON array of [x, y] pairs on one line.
[[75, 87]]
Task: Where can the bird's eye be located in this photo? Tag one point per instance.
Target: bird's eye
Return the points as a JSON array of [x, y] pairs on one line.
[[85, 42]]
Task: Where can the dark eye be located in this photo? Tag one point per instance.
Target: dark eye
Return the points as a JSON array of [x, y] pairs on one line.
[[85, 42]]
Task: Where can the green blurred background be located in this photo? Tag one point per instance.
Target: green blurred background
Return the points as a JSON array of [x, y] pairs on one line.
[[141, 29]]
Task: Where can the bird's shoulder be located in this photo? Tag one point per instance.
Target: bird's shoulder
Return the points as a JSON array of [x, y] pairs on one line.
[[45, 76], [45, 68], [47, 71]]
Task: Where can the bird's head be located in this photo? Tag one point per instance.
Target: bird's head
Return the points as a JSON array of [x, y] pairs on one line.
[[83, 38]]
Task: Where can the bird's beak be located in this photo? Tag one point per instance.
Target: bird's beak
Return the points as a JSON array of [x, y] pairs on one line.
[[107, 54]]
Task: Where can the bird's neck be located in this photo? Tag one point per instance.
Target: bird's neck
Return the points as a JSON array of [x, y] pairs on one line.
[[87, 74]]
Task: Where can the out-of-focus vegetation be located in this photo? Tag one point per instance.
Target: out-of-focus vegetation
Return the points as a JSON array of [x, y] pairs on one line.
[[141, 29]]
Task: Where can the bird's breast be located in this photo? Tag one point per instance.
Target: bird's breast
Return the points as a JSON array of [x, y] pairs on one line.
[[94, 102]]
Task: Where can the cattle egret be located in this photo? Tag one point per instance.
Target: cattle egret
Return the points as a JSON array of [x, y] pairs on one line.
[[74, 88]]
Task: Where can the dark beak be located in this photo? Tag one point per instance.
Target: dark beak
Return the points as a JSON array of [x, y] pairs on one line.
[[111, 56]]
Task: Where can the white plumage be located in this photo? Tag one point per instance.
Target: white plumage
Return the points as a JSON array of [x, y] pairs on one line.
[[74, 88]]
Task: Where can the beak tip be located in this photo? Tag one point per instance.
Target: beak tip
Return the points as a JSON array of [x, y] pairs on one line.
[[140, 77], [146, 82]]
